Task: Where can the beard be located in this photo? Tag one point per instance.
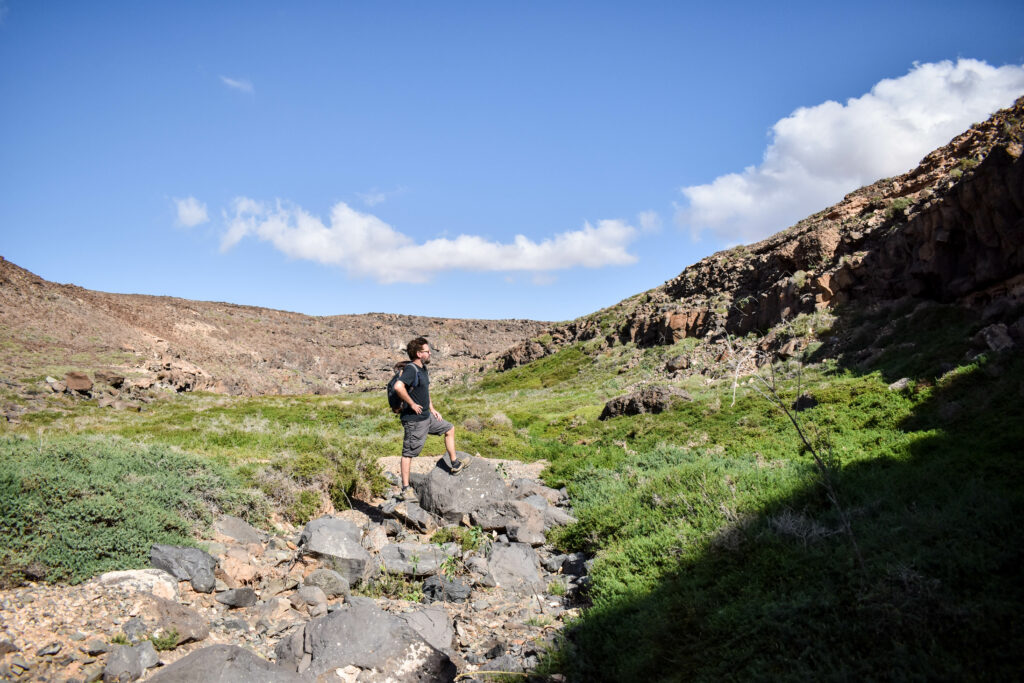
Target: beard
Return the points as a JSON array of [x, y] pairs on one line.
[[426, 362]]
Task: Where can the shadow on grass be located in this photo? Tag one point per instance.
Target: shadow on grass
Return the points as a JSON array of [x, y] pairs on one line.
[[939, 595]]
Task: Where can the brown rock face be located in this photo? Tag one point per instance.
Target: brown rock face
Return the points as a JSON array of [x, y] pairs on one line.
[[950, 230]]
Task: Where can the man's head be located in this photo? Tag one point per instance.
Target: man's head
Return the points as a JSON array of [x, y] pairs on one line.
[[419, 348]]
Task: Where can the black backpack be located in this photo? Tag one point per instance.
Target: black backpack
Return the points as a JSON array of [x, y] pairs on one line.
[[394, 400]]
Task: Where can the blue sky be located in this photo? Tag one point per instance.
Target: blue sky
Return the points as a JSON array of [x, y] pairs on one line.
[[481, 160]]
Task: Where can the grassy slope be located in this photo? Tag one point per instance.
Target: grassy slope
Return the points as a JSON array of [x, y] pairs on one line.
[[719, 555]]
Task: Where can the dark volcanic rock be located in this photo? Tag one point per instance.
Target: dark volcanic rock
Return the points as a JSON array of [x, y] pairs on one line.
[[653, 399]]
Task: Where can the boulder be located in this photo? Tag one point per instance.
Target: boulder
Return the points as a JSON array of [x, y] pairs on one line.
[[439, 588], [994, 337], [237, 597], [366, 641], [434, 626], [337, 543], [129, 662], [506, 513], [185, 564], [452, 497], [111, 378], [650, 399], [416, 559], [329, 581], [677, 363], [412, 514], [155, 581], [312, 599], [78, 382], [224, 664], [516, 568]]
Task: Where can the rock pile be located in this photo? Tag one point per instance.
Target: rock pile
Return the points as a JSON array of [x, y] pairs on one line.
[[459, 580]]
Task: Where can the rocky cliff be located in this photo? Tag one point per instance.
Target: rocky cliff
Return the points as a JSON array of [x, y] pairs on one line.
[[950, 230]]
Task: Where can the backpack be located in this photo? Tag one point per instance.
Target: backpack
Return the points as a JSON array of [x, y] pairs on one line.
[[394, 400]]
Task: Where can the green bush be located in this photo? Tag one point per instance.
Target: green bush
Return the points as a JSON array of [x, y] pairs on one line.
[[73, 507]]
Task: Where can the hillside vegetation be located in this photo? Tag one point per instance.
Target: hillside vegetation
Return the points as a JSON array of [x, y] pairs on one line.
[[719, 554]]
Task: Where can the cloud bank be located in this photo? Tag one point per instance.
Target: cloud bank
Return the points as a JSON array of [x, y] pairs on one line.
[[191, 212], [235, 84], [366, 246], [819, 154]]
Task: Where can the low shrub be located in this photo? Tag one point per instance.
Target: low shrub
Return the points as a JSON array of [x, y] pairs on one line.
[[73, 507]]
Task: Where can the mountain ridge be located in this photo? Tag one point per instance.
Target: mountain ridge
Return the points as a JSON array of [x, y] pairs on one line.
[[184, 344]]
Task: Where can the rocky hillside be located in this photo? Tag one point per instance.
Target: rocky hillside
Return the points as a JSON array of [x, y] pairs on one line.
[[950, 230], [50, 328]]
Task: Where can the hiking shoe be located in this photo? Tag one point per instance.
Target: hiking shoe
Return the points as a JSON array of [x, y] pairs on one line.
[[408, 493], [458, 466]]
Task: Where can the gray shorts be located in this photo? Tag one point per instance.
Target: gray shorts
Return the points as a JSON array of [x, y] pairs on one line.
[[416, 434]]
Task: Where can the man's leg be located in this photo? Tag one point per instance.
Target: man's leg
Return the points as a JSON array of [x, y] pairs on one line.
[[449, 444], [412, 444], [406, 467]]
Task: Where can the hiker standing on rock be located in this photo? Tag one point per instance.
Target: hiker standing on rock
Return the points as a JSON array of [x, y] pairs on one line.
[[413, 387]]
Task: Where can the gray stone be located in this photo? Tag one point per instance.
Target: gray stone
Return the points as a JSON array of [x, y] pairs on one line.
[[224, 664], [416, 559], [336, 542], [412, 513], [900, 384], [51, 649], [185, 564], [237, 597], [124, 664], [312, 599], [439, 588], [554, 563], [515, 568], [239, 529], [146, 651], [522, 521], [452, 497], [996, 337], [434, 626], [155, 581], [331, 582], [503, 663], [361, 635]]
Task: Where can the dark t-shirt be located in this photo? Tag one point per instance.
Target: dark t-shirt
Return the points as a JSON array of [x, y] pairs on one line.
[[419, 391]]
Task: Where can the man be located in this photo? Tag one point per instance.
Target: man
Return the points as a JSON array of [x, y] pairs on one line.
[[413, 387]]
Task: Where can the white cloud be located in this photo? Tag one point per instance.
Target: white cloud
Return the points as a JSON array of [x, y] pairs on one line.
[[191, 212], [366, 246], [236, 84], [649, 221], [818, 154]]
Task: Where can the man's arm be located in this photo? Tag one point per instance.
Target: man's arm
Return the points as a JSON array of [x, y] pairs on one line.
[[404, 395], [433, 411]]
